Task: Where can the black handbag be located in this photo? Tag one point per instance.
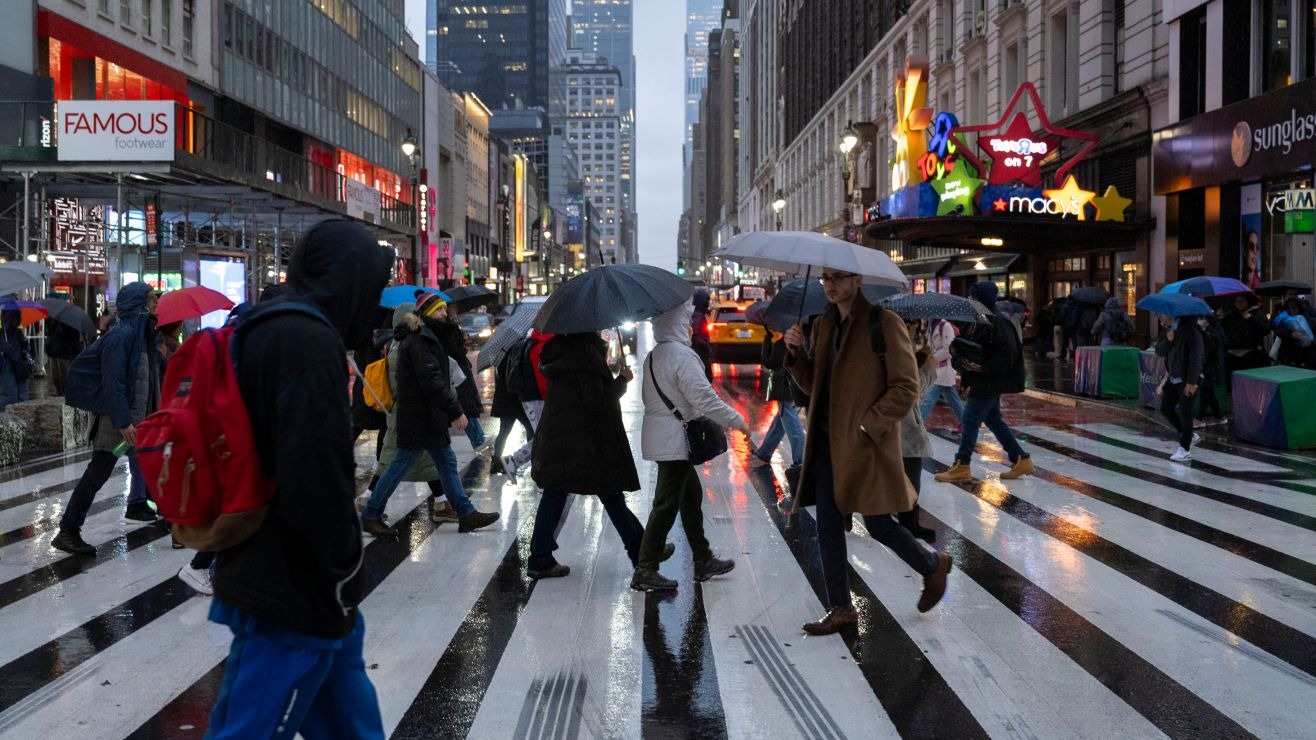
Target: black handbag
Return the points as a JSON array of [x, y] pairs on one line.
[[704, 438]]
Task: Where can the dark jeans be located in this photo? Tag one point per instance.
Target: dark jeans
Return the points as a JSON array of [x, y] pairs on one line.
[[444, 459], [985, 408], [1178, 409], [831, 533], [914, 472], [677, 490], [543, 540], [1210, 400], [505, 426], [98, 471]]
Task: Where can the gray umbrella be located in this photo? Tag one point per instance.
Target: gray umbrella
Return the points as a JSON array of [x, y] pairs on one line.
[[70, 315], [513, 329], [610, 296], [916, 306]]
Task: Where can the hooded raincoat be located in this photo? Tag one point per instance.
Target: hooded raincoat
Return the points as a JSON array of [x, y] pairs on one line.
[[301, 569], [679, 371], [423, 471]]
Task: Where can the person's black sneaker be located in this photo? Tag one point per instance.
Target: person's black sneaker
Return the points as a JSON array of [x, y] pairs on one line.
[[557, 571], [378, 529], [476, 520], [496, 466], [713, 567], [650, 580], [139, 513], [70, 541], [668, 550]]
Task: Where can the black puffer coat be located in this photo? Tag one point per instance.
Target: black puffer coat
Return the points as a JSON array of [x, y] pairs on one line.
[[505, 403], [453, 340], [581, 444], [425, 403]]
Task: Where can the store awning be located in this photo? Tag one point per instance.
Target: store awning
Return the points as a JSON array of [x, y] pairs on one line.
[[924, 268], [991, 263], [1019, 235]]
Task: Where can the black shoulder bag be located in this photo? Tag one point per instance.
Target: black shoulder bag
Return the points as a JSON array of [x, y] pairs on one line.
[[704, 438]]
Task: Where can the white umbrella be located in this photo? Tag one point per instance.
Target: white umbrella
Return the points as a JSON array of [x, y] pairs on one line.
[[803, 252], [19, 276]]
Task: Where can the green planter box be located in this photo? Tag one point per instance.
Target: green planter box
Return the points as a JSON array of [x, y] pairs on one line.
[[1274, 406], [1107, 372]]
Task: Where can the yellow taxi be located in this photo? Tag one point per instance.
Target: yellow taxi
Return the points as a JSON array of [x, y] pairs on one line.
[[733, 339]]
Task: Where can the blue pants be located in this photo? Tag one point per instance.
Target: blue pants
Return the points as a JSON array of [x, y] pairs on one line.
[[948, 394], [446, 462], [278, 683], [474, 431], [543, 540], [985, 408], [831, 533], [12, 390], [786, 423]]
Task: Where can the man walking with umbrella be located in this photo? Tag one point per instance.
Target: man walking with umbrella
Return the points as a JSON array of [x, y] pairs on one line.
[[862, 380]]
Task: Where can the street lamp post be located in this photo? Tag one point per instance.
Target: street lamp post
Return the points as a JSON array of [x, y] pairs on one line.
[[778, 205], [411, 150], [849, 139]]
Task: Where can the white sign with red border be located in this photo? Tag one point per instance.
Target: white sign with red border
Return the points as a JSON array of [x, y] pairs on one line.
[[116, 130]]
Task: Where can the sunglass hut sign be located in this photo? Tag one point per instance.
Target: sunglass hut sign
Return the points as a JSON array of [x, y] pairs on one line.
[[116, 130]]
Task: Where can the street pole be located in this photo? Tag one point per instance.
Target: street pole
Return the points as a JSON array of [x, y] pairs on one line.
[[27, 212]]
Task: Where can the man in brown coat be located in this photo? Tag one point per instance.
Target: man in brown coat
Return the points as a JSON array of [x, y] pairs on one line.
[[852, 457]]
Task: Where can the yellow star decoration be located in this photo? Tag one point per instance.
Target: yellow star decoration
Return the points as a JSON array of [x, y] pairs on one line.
[[912, 118], [1110, 207], [1071, 199]]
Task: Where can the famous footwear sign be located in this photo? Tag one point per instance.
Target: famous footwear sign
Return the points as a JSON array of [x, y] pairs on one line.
[[116, 130]]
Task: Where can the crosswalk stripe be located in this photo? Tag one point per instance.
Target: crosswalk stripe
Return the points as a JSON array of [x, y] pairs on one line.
[[1217, 685], [1230, 464]]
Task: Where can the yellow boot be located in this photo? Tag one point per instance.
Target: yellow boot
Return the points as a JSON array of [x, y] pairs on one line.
[[958, 473], [1023, 466]]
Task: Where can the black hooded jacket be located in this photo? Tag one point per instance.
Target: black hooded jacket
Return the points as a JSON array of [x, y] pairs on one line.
[[580, 444], [301, 568], [452, 338], [425, 405]]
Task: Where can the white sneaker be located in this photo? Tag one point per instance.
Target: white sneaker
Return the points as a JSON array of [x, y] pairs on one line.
[[510, 468], [197, 579], [1197, 438], [1181, 455]]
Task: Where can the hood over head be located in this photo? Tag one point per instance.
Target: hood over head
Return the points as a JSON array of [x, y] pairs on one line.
[[1113, 305], [674, 325], [701, 299], [984, 291], [401, 312], [573, 353], [131, 301], [338, 266]]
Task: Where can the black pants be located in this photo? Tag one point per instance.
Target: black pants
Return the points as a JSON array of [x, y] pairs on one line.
[[98, 471], [677, 491], [202, 559], [505, 427], [1210, 400], [914, 472], [1178, 409], [831, 533], [543, 540]]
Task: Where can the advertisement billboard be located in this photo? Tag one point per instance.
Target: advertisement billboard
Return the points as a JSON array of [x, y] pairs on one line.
[[228, 277], [116, 130]]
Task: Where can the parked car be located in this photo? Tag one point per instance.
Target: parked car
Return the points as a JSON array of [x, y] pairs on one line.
[[477, 327], [734, 340]]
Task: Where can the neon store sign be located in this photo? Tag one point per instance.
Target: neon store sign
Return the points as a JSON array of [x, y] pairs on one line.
[[939, 159]]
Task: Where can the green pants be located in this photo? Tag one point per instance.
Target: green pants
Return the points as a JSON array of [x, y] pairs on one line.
[[677, 490]]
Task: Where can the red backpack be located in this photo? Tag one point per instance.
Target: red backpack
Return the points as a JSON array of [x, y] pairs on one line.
[[197, 452]]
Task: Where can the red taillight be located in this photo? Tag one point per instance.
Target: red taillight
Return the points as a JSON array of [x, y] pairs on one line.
[[714, 326]]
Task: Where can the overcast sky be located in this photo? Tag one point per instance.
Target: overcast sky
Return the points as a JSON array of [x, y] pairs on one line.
[[660, 119]]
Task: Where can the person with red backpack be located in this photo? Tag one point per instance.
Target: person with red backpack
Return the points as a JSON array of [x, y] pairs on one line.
[[290, 591]]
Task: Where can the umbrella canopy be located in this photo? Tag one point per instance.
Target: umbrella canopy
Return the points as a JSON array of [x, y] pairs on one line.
[[805, 252], [20, 276], [470, 297], [189, 303], [1208, 285], [611, 295], [1090, 294], [916, 306], [400, 294], [1277, 288], [754, 312], [513, 329], [69, 315], [1009, 308], [1175, 304], [30, 312], [802, 298]]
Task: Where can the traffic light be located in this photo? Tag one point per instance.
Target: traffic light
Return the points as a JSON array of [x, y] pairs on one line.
[[680, 269]]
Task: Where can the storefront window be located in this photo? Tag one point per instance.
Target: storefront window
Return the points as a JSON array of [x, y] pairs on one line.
[[1276, 45], [1126, 280]]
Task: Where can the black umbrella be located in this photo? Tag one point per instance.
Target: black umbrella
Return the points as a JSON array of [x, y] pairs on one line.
[[915, 306], [1277, 288], [470, 297], [802, 298], [754, 312], [1090, 294], [610, 296], [69, 315]]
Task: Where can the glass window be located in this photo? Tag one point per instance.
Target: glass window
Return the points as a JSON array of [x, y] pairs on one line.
[[125, 11], [1276, 45], [189, 18], [148, 23], [1309, 40], [166, 22]]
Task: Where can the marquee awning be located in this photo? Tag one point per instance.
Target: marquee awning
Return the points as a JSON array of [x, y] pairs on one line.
[[1019, 235]]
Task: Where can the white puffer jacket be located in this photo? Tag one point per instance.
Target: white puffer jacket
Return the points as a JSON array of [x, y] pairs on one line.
[[680, 372], [940, 335]]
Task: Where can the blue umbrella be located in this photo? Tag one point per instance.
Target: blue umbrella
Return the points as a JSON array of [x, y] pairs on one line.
[[400, 294], [1206, 286], [915, 306], [803, 297], [1175, 304]]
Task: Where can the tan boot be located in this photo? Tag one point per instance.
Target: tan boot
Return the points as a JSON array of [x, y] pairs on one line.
[[958, 473], [1023, 466]]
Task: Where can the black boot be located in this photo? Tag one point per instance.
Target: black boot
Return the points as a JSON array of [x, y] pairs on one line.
[[909, 520]]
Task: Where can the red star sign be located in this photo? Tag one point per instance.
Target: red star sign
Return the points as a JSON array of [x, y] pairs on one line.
[[999, 204], [1016, 155], [1017, 118]]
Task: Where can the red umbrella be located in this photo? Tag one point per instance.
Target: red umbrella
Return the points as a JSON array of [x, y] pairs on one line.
[[189, 303], [30, 312]]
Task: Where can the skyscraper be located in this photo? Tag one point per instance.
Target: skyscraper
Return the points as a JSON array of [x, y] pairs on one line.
[[502, 51], [593, 129], [701, 17]]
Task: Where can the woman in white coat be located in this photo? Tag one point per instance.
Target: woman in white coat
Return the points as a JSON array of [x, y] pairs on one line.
[[673, 367], [940, 335]]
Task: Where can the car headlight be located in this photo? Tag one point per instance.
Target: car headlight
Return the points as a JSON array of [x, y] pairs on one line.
[[484, 333], [628, 326]]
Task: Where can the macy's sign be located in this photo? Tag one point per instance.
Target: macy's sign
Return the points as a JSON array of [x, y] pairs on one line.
[[116, 130]]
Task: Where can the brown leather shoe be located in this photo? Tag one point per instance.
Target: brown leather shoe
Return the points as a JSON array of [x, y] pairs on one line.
[[934, 584], [836, 619]]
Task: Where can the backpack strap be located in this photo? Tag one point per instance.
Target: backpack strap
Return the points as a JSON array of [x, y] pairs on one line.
[[649, 373]]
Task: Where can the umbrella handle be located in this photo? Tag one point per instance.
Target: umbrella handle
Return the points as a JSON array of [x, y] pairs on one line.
[[799, 320]]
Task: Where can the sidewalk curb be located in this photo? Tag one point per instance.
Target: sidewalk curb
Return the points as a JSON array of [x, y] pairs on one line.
[[1064, 399]]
